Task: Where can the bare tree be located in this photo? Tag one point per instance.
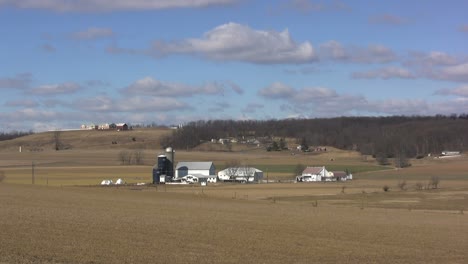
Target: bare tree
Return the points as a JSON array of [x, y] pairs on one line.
[[299, 169], [138, 156], [125, 157], [434, 182], [232, 168], [245, 171]]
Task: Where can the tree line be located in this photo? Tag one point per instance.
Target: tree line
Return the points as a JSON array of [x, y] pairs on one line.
[[383, 137], [13, 135]]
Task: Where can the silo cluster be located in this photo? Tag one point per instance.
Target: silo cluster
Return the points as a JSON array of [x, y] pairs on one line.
[[163, 171]]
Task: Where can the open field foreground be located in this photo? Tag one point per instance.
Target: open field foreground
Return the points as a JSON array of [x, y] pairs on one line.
[[187, 225]]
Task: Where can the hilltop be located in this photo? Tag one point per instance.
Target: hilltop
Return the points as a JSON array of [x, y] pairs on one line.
[[142, 138]]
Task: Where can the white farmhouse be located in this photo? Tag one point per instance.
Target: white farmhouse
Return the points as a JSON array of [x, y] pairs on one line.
[[241, 174], [314, 174]]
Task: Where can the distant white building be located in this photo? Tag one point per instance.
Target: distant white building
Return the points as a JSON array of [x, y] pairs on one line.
[[450, 153], [317, 174], [314, 174], [197, 168], [241, 174]]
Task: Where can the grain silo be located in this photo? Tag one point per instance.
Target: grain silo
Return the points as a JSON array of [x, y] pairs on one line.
[[160, 170], [170, 162]]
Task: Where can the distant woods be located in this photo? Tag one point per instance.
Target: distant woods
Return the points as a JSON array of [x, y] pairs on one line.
[[396, 137], [13, 135]]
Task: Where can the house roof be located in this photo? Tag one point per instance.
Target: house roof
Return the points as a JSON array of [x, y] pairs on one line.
[[195, 165], [312, 170]]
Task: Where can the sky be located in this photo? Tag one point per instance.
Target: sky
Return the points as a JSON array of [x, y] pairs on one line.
[[64, 63]]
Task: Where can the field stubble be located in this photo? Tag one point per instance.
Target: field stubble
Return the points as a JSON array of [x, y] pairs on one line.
[[121, 225]]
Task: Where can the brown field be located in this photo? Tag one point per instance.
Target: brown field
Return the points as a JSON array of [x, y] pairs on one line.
[[66, 218]]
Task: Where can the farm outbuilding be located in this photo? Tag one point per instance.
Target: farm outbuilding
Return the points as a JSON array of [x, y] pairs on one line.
[[200, 168], [340, 175], [314, 174], [241, 174], [121, 126]]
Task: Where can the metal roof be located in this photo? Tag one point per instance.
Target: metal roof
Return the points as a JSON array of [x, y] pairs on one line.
[[312, 170], [195, 165]]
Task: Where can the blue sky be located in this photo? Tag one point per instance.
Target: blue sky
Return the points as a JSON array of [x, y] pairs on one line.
[[64, 63]]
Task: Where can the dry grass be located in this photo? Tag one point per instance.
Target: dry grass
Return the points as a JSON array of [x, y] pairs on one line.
[[110, 225], [226, 223]]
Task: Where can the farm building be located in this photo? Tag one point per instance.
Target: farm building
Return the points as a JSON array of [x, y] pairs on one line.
[[198, 168], [121, 126], [450, 153], [241, 174], [342, 176], [314, 174]]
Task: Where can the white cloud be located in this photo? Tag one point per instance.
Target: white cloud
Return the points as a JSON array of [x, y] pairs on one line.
[[93, 33], [312, 94], [153, 87], [457, 73], [459, 91], [235, 42], [374, 53], [276, 90], [430, 59], [55, 89], [326, 102], [385, 73], [110, 5], [252, 108], [20, 81], [140, 103]]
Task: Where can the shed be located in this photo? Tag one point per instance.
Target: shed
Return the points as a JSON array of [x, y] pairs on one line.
[[121, 126], [242, 174]]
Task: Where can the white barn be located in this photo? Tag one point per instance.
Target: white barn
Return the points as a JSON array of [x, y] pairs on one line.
[[314, 174], [241, 174], [198, 168]]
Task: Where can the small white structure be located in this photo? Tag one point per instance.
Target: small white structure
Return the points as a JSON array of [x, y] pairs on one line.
[[198, 168], [119, 182], [199, 179], [107, 182], [314, 174], [241, 174], [450, 153]]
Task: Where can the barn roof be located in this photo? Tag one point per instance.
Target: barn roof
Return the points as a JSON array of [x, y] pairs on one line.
[[195, 165], [339, 173], [312, 170]]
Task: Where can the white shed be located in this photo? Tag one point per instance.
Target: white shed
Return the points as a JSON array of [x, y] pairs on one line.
[[242, 174]]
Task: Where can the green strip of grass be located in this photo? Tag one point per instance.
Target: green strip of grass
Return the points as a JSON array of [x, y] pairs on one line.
[[282, 168]]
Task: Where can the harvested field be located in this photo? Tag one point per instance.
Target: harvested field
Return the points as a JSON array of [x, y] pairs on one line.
[[65, 217], [120, 225]]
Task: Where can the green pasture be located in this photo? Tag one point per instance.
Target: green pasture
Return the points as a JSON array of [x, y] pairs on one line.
[[287, 168]]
